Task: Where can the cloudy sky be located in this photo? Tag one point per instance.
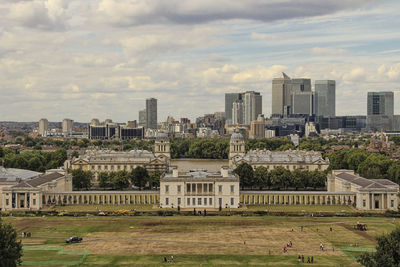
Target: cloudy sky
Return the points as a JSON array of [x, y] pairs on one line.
[[85, 59]]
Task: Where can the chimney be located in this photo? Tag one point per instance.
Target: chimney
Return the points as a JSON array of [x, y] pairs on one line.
[[175, 172], [225, 171]]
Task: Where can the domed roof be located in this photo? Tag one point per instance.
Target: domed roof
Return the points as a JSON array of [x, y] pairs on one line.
[[162, 137], [237, 136]]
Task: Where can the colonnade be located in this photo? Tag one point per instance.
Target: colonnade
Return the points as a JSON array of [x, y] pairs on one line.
[[296, 198]]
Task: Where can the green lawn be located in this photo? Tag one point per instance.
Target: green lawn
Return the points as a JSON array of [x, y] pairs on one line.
[[91, 208]]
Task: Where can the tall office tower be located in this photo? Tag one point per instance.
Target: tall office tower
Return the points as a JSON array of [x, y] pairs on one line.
[[151, 113], [325, 98], [43, 127], [229, 99], [237, 112], [142, 118], [67, 126], [252, 106], [301, 97], [380, 103], [281, 95]]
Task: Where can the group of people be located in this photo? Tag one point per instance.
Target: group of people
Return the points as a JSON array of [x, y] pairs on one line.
[[288, 245], [167, 260], [309, 259], [26, 234]]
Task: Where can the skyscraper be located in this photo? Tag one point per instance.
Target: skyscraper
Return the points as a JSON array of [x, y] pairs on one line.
[[237, 112], [142, 118], [151, 113], [301, 97], [380, 103], [67, 126], [281, 95], [43, 127], [230, 98], [325, 98], [252, 103]]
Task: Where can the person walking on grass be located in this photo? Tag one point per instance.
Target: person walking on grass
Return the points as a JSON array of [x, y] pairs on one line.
[[312, 259], [308, 260], [299, 259], [302, 258]]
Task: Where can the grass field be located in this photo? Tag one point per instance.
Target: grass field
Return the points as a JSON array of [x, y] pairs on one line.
[[205, 241]]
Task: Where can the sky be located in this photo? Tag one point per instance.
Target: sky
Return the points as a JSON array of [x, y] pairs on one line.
[[102, 58]]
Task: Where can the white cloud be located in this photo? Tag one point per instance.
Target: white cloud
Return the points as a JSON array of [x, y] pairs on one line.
[[328, 51]]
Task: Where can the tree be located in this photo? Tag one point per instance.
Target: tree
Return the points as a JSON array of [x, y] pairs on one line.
[[154, 180], [261, 177], [375, 166], [1, 152], [245, 173], [300, 178], [139, 176], [81, 179], [120, 180], [387, 251], [281, 177], [393, 173], [104, 180], [10, 248], [75, 154], [286, 147]]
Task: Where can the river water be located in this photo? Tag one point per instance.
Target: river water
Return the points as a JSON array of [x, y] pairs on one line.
[[211, 165]]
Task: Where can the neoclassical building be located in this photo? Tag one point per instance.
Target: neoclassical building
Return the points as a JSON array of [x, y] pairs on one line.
[[111, 161], [290, 159], [199, 189], [370, 194]]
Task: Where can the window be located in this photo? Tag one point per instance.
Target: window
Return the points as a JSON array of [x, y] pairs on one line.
[[179, 188], [232, 201], [193, 201], [194, 188], [199, 201], [34, 201], [7, 202], [166, 201], [232, 188], [179, 201], [205, 201], [220, 202], [220, 188], [364, 203], [210, 188], [166, 188], [205, 188], [188, 188], [210, 201], [188, 201], [392, 203]]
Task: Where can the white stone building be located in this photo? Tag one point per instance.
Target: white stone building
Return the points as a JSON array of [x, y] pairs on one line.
[[199, 189], [371, 194]]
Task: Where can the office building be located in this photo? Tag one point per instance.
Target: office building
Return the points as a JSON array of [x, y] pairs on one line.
[[380, 103], [230, 98], [252, 106], [151, 113], [325, 98], [302, 103], [109, 130], [257, 128], [43, 127], [142, 118], [237, 112], [281, 91], [67, 126]]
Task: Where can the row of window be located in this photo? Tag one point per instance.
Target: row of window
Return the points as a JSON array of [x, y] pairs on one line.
[[33, 202], [391, 203], [199, 188], [200, 201]]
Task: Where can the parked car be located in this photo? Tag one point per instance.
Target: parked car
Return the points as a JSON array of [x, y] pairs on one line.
[[73, 239]]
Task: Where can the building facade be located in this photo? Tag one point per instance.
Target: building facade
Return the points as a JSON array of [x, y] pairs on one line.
[[230, 98], [281, 91], [199, 189], [67, 126], [43, 127], [325, 97], [380, 103], [151, 113], [252, 106]]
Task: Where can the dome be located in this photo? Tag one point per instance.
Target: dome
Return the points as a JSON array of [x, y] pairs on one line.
[[162, 137], [236, 136]]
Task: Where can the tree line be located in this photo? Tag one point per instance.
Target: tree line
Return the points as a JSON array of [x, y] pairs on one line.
[[118, 180], [278, 178], [367, 165], [33, 160]]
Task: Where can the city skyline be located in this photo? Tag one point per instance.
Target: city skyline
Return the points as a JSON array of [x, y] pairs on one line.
[[73, 59]]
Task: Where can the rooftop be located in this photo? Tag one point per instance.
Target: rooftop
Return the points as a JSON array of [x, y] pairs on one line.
[[367, 183], [282, 156], [40, 180], [13, 175]]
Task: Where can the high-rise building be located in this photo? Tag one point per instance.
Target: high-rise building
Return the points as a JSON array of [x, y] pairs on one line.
[[281, 95], [43, 127], [230, 98], [325, 98], [252, 106], [67, 126], [380, 103], [237, 112], [142, 118], [151, 113]]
